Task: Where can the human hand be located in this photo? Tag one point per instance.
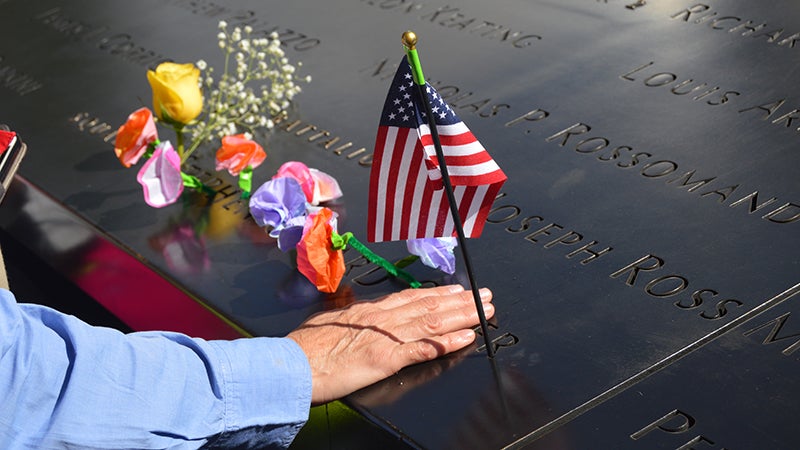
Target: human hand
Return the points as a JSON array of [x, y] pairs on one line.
[[361, 344]]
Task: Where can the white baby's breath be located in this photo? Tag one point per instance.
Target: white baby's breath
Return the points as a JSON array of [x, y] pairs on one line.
[[257, 83]]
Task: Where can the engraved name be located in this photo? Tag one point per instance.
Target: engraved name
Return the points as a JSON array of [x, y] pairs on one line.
[[714, 96], [462, 100], [323, 139], [121, 45], [290, 38], [453, 18], [672, 285], [645, 272], [546, 233], [648, 166], [701, 13], [16, 81]]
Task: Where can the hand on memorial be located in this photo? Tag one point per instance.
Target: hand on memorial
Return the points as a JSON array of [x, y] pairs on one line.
[[356, 346]]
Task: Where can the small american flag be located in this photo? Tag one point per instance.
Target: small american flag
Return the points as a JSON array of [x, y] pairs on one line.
[[406, 199]]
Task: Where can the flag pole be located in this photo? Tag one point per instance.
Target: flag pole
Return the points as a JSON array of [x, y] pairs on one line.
[[410, 44]]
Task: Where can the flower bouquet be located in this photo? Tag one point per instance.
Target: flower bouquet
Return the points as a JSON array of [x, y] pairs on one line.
[[257, 83]]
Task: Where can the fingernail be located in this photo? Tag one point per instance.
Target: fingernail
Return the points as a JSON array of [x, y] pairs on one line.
[[455, 288], [485, 293], [466, 336]]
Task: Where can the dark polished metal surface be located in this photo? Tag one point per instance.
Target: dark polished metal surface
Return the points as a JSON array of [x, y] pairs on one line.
[[649, 223]]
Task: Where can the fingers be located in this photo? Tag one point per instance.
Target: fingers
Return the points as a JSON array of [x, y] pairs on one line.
[[434, 347], [437, 316], [401, 298]]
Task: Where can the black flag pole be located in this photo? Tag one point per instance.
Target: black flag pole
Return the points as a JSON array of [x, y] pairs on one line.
[[410, 43]]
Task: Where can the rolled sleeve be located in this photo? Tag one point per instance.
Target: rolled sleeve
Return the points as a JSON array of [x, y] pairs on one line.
[[267, 381], [66, 383]]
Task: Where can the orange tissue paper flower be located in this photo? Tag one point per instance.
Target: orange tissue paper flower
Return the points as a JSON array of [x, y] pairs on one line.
[[238, 152], [316, 257], [134, 136]]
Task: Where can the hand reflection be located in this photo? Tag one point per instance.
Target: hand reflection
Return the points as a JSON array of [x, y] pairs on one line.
[[408, 379]]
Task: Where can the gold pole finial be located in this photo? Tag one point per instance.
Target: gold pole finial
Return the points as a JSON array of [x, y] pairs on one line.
[[410, 40]]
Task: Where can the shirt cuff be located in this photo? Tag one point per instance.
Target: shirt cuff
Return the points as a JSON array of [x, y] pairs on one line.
[[267, 381]]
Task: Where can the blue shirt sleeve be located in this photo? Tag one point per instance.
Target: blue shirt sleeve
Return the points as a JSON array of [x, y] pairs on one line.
[[67, 384]]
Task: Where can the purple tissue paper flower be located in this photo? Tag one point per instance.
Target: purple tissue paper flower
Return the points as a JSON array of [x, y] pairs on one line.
[[435, 252], [281, 204]]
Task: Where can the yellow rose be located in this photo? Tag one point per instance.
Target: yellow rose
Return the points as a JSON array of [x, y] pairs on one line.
[[176, 93]]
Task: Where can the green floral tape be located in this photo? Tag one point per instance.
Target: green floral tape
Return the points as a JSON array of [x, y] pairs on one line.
[[192, 182], [246, 181], [339, 242]]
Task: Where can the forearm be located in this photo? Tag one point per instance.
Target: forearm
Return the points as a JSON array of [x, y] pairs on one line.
[[86, 386]]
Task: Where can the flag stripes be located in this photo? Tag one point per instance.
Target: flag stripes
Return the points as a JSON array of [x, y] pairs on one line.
[[406, 199]]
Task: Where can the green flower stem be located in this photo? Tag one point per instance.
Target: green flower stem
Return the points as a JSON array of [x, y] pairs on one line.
[[340, 241], [195, 144], [179, 140]]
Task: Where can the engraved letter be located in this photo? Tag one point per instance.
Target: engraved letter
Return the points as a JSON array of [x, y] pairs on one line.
[[683, 423], [660, 79], [697, 299], [697, 439], [654, 263], [723, 193], [670, 167], [544, 230], [593, 254], [532, 116], [569, 238], [769, 108], [627, 75], [695, 185], [754, 206], [682, 283], [715, 22], [578, 128], [514, 212], [748, 27], [698, 8], [721, 309], [525, 224], [782, 209], [601, 144], [773, 334], [788, 117]]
